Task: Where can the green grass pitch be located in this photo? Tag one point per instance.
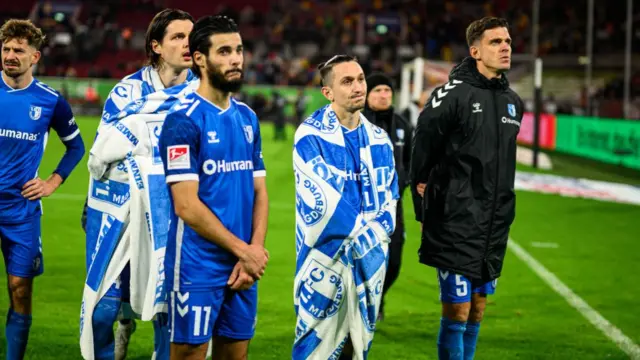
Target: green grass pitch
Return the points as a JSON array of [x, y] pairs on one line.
[[597, 256]]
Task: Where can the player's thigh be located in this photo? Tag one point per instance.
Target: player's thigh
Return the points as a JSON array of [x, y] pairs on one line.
[[488, 288], [192, 315], [22, 248], [238, 315], [188, 351], [229, 349], [479, 299]]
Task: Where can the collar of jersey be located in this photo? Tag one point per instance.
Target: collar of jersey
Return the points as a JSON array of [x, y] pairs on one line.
[[222, 111], [10, 89]]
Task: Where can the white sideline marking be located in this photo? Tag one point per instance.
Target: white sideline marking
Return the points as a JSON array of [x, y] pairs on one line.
[[545, 245], [609, 330]]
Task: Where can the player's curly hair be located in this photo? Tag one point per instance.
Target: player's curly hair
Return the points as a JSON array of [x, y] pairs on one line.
[[326, 67], [158, 29], [200, 37], [22, 29], [477, 28]]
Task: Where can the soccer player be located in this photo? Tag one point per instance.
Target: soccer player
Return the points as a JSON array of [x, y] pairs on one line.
[[212, 152], [169, 65], [167, 49], [29, 109], [465, 152], [346, 194], [379, 110]]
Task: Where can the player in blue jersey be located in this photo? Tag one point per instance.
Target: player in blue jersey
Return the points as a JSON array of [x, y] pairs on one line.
[[29, 110], [167, 48], [211, 150], [169, 65]]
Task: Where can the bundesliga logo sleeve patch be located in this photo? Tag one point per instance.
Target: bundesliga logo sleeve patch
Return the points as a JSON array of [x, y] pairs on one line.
[[178, 157]]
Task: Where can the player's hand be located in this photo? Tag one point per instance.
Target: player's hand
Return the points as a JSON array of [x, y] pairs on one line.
[[254, 261], [421, 188], [239, 279], [37, 188]]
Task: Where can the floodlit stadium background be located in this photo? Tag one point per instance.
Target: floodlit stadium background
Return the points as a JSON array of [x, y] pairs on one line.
[[569, 289]]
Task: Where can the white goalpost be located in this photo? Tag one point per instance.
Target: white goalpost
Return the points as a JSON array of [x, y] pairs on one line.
[[419, 76]]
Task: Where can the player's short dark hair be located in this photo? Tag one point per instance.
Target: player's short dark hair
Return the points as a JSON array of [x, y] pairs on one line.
[[326, 67], [200, 37], [158, 29], [477, 28], [22, 29]]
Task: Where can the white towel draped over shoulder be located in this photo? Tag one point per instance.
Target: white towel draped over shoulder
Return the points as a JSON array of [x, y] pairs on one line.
[[129, 207], [341, 252]]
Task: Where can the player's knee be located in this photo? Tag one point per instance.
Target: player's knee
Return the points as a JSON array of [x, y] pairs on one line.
[[476, 315], [20, 289], [478, 305], [477, 312], [456, 312], [236, 356], [227, 349], [188, 351]]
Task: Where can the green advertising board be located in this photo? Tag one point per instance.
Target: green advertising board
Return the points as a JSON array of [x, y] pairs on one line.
[[607, 140], [77, 88]]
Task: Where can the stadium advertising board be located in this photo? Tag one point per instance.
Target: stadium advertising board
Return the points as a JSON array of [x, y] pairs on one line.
[[76, 88], [547, 128], [607, 140]]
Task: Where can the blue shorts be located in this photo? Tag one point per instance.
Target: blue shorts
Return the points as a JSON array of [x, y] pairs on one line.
[[196, 316], [454, 288], [22, 248]]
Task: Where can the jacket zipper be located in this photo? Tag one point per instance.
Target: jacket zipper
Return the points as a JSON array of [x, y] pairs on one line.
[[497, 179]]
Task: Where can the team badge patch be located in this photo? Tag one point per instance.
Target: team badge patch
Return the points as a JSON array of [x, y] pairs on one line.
[[35, 112], [178, 157], [512, 110], [248, 133]]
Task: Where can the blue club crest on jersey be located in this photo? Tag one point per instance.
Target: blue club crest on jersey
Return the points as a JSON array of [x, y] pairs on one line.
[[512, 109], [248, 133], [35, 112]]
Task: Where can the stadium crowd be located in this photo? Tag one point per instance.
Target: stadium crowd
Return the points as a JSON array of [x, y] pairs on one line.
[[286, 39]]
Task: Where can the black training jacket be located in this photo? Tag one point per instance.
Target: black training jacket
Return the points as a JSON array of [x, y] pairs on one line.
[[401, 133], [465, 151]]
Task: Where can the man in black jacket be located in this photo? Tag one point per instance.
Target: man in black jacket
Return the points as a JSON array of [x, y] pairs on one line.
[[379, 110], [465, 152]]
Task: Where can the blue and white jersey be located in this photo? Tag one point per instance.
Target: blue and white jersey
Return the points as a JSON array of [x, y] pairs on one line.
[[353, 181], [133, 87], [222, 149], [346, 192], [26, 117]]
